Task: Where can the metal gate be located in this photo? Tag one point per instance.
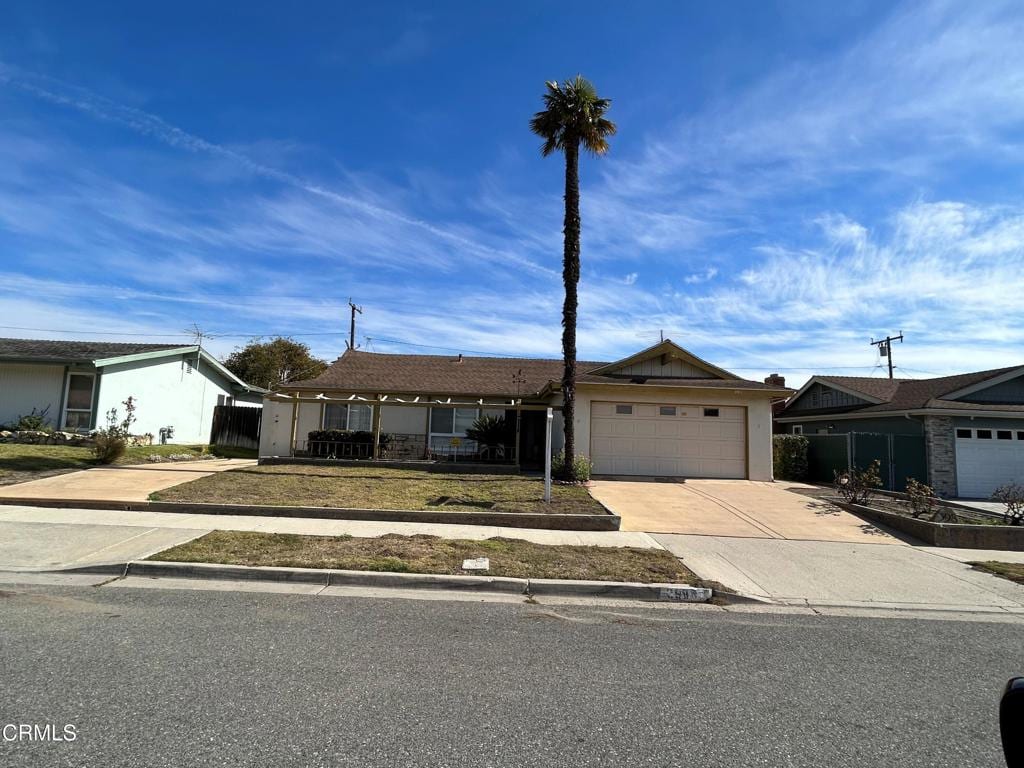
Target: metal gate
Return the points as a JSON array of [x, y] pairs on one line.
[[900, 456], [236, 426]]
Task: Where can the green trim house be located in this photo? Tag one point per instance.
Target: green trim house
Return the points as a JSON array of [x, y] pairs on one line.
[[972, 423]]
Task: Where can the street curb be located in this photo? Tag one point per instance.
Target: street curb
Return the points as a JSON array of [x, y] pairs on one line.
[[555, 521], [676, 593]]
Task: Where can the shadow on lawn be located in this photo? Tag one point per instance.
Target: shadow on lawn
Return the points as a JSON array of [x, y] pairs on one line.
[[41, 463], [440, 476]]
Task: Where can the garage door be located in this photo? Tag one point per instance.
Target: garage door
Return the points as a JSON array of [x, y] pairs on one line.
[[668, 440], [988, 458]]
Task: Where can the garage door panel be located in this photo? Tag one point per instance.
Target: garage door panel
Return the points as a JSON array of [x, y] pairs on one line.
[[982, 465], [682, 441]]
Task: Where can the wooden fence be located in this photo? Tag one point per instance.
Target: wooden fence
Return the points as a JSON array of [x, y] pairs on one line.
[[237, 426]]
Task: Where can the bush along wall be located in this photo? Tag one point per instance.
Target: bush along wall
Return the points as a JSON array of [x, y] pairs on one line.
[[790, 456]]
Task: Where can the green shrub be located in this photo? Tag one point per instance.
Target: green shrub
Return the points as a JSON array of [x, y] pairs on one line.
[[347, 436], [490, 431], [579, 472], [35, 421], [790, 456], [112, 440]]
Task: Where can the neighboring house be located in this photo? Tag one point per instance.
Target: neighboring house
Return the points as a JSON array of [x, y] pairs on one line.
[[660, 412], [77, 382], [972, 424]]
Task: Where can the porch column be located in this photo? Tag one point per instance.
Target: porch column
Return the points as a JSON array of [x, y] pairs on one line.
[[376, 429]]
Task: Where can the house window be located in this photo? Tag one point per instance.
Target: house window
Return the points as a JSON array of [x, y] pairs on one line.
[[1020, 435], [667, 410], [78, 401], [1004, 434], [448, 423], [624, 410], [963, 433], [357, 418], [711, 412], [984, 434], [798, 429]]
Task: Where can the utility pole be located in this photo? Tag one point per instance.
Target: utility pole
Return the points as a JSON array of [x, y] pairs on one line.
[[885, 348], [352, 324]]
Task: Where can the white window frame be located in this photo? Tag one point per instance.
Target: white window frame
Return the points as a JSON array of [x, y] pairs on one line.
[[348, 415], [798, 429], [67, 391], [431, 434]]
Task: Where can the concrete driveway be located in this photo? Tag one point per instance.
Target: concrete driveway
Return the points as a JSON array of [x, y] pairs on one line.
[[735, 508], [133, 482]]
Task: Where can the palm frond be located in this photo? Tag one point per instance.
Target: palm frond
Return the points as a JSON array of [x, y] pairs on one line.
[[573, 112]]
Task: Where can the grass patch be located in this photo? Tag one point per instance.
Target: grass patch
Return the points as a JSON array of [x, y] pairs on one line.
[[20, 463], [1011, 571], [380, 488], [430, 554]]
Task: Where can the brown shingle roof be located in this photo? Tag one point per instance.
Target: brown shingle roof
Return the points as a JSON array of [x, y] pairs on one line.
[[46, 350], [357, 371], [907, 394]]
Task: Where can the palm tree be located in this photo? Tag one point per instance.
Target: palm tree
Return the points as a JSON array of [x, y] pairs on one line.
[[573, 115]]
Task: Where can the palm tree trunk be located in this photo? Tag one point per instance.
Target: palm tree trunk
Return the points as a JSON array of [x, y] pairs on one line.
[[570, 276]]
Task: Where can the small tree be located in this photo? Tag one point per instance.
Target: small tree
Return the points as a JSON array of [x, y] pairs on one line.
[[857, 485], [1012, 495], [112, 440], [269, 363], [920, 498], [37, 420]]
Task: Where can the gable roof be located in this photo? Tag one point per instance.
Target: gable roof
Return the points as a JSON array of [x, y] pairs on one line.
[[104, 353], [46, 350], [665, 349], [887, 395], [358, 371]]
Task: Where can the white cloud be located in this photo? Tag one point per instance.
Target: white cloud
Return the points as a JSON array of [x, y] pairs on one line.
[[631, 278]]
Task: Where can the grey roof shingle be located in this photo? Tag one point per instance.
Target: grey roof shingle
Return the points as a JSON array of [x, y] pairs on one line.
[[908, 394], [46, 350], [358, 371]]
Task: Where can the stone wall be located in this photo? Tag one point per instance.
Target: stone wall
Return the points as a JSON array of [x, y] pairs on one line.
[[940, 451], [40, 437]]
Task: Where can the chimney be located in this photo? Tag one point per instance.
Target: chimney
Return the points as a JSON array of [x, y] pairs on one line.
[[775, 380]]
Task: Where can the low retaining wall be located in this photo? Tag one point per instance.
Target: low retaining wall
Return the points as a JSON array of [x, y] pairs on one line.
[[451, 467], [956, 535], [558, 522]]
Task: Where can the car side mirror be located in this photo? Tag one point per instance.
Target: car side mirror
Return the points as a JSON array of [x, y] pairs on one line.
[[1011, 722]]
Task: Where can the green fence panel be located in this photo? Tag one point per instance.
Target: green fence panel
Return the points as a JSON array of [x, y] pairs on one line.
[[826, 455], [908, 456]]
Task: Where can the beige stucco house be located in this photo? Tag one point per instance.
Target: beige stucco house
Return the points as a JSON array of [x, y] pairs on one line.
[[661, 412]]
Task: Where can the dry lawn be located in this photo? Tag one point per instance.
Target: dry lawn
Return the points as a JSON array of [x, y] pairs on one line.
[[369, 487], [430, 554]]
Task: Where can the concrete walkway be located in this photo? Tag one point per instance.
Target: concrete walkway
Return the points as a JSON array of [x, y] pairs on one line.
[[37, 537], [738, 508], [133, 482]]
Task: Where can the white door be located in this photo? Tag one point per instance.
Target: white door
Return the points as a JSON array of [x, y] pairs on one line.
[[668, 440], [987, 459]]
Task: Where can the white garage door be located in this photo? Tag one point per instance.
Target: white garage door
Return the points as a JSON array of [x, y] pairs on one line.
[[668, 440], [988, 458]]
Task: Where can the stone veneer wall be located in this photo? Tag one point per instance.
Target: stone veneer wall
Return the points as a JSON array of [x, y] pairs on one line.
[[940, 451]]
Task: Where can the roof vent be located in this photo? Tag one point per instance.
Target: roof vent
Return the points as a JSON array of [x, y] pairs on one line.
[[460, 358]]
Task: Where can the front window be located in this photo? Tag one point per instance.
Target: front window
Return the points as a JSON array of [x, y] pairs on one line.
[[78, 401], [357, 418], [448, 429]]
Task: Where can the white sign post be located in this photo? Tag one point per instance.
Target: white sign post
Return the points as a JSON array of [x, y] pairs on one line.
[[547, 457]]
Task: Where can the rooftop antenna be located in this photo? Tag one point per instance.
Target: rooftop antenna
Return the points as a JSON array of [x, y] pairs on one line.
[[885, 348]]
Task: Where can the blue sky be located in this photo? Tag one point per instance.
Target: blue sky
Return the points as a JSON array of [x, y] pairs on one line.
[[789, 179]]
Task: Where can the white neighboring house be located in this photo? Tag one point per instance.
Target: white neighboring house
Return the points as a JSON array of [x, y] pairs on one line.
[[77, 382]]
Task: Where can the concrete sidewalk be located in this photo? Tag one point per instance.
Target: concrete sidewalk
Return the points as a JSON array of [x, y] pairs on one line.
[[132, 482], [832, 573], [34, 537]]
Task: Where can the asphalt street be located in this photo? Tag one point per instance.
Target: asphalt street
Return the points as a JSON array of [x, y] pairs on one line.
[[164, 677]]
